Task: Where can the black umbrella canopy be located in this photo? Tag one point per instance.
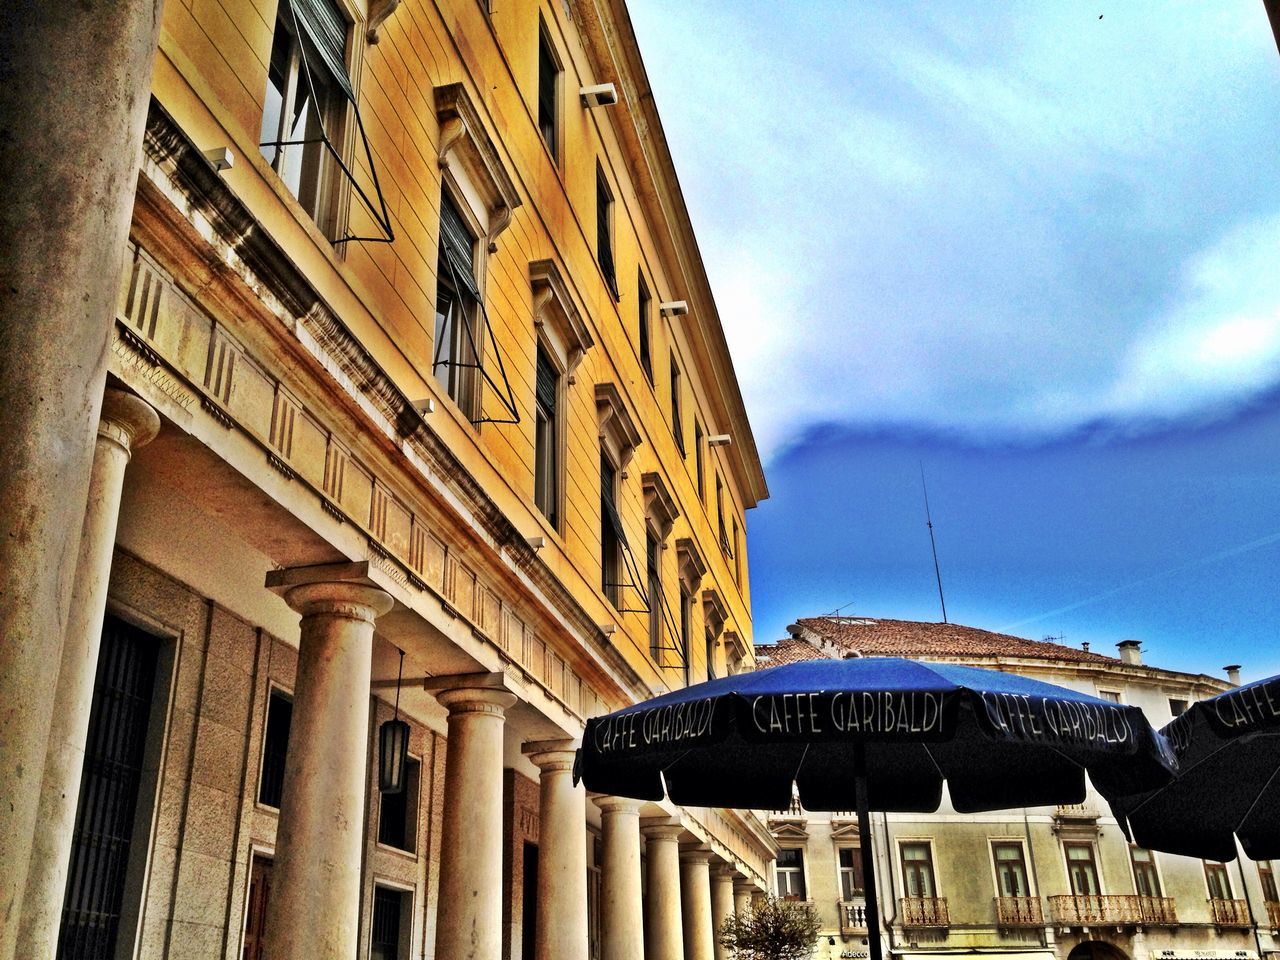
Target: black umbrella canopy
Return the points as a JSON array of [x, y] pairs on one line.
[[999, 740], [1228, 784]]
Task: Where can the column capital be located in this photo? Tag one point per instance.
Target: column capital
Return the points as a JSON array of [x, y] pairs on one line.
[[611, 804], [127, 420], [724, 871], [341, 590], [661, 828], [459, 700], [695, 854], [551, 755]]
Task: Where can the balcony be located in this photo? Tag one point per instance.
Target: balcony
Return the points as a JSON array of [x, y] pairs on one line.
[[853, 917], [923, 912], [1019, 912], [1273, 914], [1229, 913], [1158, 911], [1094, 909]]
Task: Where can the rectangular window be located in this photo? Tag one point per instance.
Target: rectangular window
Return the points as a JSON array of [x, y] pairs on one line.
[[737, 554], [308, 89], [850, 861], [1145, 878], [1011, 870], [686, 628], [548, 94], [645, 304], [1082, 869], [1177, 707], [275, 745], [455, 356], [1215, 875], [546, 485], [611, 538], [1112, 695], [711, 657], [1267, 877], [655, 596], [917, 870], [677, 430], [699, 469], [790, 874], [604, 233], [398, 818], [388, 931], [529, 902], [724, 536]]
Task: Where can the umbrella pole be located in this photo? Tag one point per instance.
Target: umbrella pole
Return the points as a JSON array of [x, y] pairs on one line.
[[864, 849]]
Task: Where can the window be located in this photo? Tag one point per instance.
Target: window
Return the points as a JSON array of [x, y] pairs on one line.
[[611, 537], [724, 536], [604, 233], [388, 933], [455, 356], [1011, 870], [1112, 695], [677, 430], [1177, 707], [307, 94], [529, 902], [653, 566], [1215, 875], [850, 867], [711, 656], [275, 745], [1082, 869], [548, 94], [398, 818], [790, 874], [546, 438], [1267, 877], [255, 921], [686, 629], [736, 553], [1146, 881], [645, 305], [917, 870], [697, 460]]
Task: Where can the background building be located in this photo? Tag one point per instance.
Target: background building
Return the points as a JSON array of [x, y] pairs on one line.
[[1028, 884], [427, 412]]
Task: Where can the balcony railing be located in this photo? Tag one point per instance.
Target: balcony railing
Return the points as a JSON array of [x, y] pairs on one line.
[[853, 916], [1273, 914], [1229, 913], [924, 912], [1158, 911], [1019, 912], [1094, 909]]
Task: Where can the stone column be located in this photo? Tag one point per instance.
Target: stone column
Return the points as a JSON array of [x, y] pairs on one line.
[[663, 930], [721, 905], [70, 145], [621, 905], [742, 892], [469, 915], [562, 854], [127, 423], [314, 909], [695, 905]]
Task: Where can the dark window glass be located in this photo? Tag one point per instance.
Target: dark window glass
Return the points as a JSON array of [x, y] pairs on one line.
[[604, 234], [398, 817], [529, 902], [611, 538], [724, 536], [275, 746], [546, 493], [384, 932], [790, 874], [1011, 870], [655, 596], [917, 870], [1177, 707], [548, 82], [645, 305], [850, 873], [677, 429], [697, 460], [455, 356], [711, 657], [1219, 883]]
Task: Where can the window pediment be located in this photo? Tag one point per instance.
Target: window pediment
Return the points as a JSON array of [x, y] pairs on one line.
[[464, 140], [714, 611], [791, 829], [734, 643], [618, 430], [557, 316], [659, 506], [692, 567]]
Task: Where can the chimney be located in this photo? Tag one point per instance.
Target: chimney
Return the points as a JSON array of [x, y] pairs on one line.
[[1130, 652], [1085, 646], [1233, 674]]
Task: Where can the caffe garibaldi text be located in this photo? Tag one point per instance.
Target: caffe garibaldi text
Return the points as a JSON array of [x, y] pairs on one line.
[[885, 715]]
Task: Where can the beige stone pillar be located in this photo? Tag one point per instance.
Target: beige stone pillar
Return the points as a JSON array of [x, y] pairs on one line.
[[314, 910], [127, 423], [721, 905], [469, 916], [695, 905], [70, 145], [621, 904], [663, 929], [562, 853], [742, 893]]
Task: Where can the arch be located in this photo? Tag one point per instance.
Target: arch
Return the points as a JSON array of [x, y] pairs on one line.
[[1096, 950]]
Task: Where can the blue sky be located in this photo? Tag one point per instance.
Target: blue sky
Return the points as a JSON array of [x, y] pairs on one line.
[[1037, 251]]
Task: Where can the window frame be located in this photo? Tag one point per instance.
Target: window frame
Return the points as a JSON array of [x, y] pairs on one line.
[[466, 394], [699, 465], [927, 843], [611, 560], [644, 325], [412, 793], [653, 579], [1212, 867], [995, 844], [606, 234], [800, 872], [273, 690], [854, 870], [1145, 867], [1267, 881], [677, 417], [547, 48], [404, 932], [1092, 861], [551, 499]]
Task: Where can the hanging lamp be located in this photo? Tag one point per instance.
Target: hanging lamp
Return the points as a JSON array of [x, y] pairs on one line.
[[393, 746]]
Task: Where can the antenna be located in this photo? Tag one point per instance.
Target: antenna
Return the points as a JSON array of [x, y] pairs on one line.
[[932, 543]]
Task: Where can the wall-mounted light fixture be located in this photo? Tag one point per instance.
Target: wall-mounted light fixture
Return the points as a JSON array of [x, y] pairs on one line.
[[599, 95], [719, 440], [673, 308], [608, 629], [221, 157], [536, 542], [425, 406]]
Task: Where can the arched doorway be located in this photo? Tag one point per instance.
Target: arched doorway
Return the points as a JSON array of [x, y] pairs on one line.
[[1096, 950]]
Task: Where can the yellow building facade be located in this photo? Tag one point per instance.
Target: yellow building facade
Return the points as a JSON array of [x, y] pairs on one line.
[[1052, 883], [428, 416]]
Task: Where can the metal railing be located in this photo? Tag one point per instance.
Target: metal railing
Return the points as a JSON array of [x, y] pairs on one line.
[[853, 916], [1158, 911], [924, 912], [1090, 909], [1229, 913], [1019, 912]]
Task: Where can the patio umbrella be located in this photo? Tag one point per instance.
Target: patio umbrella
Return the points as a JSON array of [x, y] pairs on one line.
[[882, 731], [1228, 782]]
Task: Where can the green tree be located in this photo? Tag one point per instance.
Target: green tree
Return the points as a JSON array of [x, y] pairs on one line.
[[772, 929]]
